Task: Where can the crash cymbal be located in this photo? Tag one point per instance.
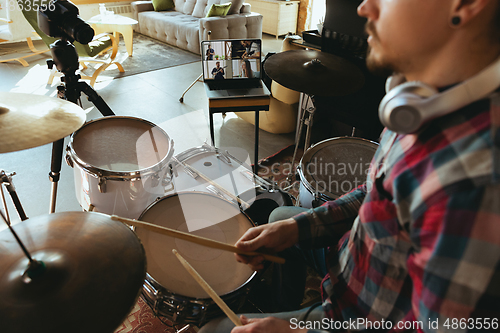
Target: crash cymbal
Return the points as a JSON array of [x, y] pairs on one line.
[[28, 120], [314, 73], [94, 271]]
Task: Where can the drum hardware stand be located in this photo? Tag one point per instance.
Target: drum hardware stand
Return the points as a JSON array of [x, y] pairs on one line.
[[65, 58], [197, 80], [6, 179], [306, 119], [35, 267]]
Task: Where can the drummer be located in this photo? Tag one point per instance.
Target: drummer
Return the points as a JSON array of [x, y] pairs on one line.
[[424, 251]]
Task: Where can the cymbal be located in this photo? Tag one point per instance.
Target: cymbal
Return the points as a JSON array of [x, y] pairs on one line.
[[95, 268], [28, 120], [314, 72]]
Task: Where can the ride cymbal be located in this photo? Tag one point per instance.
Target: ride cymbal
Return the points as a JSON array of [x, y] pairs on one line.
[[314, 73], [28, 120], [94, 271]]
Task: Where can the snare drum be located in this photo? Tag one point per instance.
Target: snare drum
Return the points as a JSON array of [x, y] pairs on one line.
[[119, 164], [169, 289], [332, 168]]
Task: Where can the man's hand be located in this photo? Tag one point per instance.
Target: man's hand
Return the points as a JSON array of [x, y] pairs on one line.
[[270, 238], [264, 325]]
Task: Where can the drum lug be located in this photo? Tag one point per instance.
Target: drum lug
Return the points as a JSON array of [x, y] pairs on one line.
[[168, 179], [155, 180], [68, 159], [102, 184], [179, 310]]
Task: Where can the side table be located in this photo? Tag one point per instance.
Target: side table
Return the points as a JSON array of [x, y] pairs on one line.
[[115, 24], [256, 104]]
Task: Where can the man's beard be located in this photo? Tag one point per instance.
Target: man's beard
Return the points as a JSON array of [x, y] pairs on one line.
[[376, 67]]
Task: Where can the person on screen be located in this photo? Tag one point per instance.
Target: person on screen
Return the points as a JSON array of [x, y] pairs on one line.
[[246, 69], [251, 50], [218, 72], [210, 52]]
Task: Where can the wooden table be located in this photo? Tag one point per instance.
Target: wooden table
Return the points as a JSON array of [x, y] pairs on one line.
[[115, 24], [239, 104]]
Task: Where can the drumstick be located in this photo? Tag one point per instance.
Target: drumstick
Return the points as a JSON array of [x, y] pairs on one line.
[[222, 305], [196, 239], [244, 204]]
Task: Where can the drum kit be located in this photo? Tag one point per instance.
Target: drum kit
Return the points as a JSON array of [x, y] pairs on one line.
[[334, 166], [59, 270]]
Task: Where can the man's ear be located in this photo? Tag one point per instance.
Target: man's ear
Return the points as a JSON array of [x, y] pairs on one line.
[[466, 10]]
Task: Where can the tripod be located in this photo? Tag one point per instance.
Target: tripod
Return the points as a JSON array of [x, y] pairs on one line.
[[65, 58]]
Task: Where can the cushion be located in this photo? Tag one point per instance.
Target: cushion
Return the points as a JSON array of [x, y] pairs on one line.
[[188, 7], [235, 7], [160, 5], [219, 10], [208, 5], [199, 8]]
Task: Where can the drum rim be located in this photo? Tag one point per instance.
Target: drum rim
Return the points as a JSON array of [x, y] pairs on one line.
[[118, 175], [305, 182], [247, 281]]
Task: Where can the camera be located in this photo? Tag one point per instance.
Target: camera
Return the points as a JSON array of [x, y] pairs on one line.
[[60, 19]]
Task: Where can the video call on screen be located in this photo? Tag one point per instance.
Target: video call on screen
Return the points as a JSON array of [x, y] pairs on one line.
[[238, 59]]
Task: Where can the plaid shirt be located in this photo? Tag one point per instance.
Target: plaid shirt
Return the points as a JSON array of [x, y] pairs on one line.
[[424, 249]]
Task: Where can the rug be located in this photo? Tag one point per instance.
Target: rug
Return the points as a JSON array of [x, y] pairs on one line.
[[149, 54]]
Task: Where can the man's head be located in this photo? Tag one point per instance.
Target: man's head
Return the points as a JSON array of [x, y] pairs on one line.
[[217, 64], [408, 36]]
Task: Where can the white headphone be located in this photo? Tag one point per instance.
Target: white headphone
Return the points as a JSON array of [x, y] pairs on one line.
[[408, 105]]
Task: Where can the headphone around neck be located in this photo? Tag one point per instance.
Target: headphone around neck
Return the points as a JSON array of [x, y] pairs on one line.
[[408, 105]]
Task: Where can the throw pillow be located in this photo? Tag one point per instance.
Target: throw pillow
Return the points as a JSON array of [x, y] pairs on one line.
[[235, 7], [219, 10], [199, 8], [160, 5]]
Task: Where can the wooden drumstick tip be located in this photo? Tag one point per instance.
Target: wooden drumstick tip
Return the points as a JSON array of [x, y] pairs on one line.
[[216, 298]]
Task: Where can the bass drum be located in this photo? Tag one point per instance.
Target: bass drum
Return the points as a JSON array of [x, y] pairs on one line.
[[169, 289], [333, 167]]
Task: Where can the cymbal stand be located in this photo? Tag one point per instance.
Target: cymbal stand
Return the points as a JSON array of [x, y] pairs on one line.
[[306, 119], [35, 267], [197, 80], [65, 58], [6, 179]]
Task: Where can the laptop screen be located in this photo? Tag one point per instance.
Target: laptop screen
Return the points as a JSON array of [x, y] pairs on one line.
[[232, 59]]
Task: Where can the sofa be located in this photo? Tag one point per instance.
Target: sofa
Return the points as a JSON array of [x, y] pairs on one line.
[[185, 26]]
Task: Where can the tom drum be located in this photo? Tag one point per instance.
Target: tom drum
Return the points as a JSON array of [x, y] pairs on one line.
[[119, 164], [333, 167]]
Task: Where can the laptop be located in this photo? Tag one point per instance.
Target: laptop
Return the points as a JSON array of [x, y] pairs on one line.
[[232, 68]]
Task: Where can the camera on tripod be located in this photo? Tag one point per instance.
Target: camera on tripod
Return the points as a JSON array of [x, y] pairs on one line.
[[61, 19]]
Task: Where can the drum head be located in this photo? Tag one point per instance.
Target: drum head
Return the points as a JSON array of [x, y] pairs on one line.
[[336, 166], [121, 144], [204, 215]]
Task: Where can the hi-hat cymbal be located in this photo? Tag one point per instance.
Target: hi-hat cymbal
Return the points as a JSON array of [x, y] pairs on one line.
[[95, 268], [314, 73], [28, 120]]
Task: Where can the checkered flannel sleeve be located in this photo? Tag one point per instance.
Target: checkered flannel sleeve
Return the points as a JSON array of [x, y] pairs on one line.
[[325, 225]]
